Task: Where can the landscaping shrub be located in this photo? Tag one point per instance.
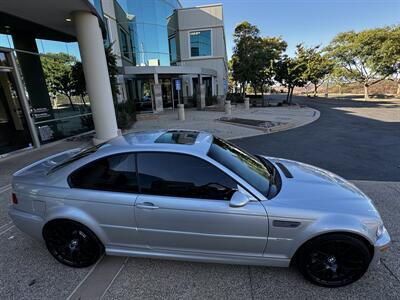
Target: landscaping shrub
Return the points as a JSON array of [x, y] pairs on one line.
[[126, 114]]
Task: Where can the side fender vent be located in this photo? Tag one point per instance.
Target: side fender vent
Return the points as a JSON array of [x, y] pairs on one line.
[[286, 224], [284, 170]]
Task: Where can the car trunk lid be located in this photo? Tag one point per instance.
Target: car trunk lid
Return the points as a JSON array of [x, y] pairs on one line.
[[40, 168]]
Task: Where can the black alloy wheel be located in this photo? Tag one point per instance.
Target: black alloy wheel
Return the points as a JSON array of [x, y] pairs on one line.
[[334, 260], [72, 243]]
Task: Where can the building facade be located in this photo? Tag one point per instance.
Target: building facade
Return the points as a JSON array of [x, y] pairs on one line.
[[156, 41], [53, 74]]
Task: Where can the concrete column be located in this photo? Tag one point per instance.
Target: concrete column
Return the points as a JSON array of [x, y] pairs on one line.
[[246, 103], [97, 78], [201, 94], [221, 101], [228, 107], [158, 101], [181, 112]]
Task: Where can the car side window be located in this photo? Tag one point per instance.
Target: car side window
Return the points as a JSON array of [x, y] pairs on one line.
[[180, 175], [115, 173]]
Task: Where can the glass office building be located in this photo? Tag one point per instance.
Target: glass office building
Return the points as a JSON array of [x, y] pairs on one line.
[[43, 95], [143, 29], [37, 77]]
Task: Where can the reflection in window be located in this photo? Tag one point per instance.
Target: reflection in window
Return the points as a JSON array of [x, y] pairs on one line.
[[241, 163], [124, 43], [200, 43], [172, 49]]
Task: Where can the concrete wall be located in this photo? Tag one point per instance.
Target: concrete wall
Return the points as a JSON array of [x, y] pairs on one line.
[[209, 17], [109, 12]]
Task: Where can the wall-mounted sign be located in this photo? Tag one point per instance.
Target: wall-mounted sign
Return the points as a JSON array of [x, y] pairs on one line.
[[40, 113], [178, 84], [46, 133], [225, 85]]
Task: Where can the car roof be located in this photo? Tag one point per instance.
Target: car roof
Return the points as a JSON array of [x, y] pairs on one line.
[[175, 140]]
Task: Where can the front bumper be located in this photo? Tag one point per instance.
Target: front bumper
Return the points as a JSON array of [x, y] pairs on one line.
[[27, 222], [381, 245]]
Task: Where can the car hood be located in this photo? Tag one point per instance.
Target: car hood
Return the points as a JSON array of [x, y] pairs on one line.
[[316, 188]]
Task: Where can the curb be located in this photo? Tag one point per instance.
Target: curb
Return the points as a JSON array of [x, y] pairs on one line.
[[274, 129]]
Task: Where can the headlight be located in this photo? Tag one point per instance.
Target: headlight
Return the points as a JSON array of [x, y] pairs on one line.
[[379, 230]]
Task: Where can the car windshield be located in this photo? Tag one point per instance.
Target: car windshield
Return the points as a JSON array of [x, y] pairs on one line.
[[82, 153], [242, 163]]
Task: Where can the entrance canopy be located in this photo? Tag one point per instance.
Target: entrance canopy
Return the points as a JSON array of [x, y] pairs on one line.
[[170, 70], [44, 19]]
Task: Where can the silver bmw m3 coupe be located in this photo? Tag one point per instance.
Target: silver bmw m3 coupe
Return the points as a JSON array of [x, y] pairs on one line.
[[188, 195]]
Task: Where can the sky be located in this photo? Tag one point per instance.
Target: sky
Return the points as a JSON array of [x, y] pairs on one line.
[[311, 22]]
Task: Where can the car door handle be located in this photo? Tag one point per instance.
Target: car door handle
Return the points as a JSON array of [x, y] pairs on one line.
[[146, 205]]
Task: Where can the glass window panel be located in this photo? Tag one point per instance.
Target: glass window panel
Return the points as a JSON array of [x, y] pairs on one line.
[[241, 163], [6, 41], [3, 59], [149, 12], [172, 49], [124, 43], [115, 173], [182, 176], [200, 43]]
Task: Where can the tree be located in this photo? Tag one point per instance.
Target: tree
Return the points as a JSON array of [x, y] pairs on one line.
[[112, 71], [246, 39], [269, 52], [254, 57], [390, 52], [57, 69], [362, 56], [290, 73], [78, 81], [318, 66]]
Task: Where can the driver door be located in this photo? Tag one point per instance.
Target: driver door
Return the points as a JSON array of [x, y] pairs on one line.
[[184, 206]]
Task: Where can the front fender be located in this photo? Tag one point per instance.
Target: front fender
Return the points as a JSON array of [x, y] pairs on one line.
[[335, 224]]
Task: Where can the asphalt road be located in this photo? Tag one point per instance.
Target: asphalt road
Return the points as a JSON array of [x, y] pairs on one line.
[[359, 141], [345, 139]]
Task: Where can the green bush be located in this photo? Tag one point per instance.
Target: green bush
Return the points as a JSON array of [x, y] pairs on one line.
[[126, 114]]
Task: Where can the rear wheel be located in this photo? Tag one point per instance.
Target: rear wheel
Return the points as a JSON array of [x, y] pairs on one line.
[[72, 243], [334, 260]]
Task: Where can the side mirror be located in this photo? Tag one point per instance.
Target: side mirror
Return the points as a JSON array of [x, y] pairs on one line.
[[239, 199]]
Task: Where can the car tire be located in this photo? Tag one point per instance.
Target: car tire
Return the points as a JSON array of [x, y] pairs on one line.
[[72, 243], [334, 260]]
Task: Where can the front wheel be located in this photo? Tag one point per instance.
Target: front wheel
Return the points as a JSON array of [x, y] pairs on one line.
[[334, 260], [72, 243]]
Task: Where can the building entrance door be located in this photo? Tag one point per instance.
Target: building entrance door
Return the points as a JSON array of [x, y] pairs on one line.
[[14, 132], [166, 92]]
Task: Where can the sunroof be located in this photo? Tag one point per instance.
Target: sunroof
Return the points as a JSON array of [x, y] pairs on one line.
[[178, 137]]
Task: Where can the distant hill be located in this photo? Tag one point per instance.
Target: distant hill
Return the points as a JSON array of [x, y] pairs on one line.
[[385, 87]]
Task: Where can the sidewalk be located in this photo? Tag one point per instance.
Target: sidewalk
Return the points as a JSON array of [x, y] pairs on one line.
[[281, 118]]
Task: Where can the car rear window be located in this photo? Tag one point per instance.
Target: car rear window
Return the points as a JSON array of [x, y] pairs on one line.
[[84, 152]]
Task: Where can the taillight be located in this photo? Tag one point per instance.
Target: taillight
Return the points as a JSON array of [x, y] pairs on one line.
[[14, 198]]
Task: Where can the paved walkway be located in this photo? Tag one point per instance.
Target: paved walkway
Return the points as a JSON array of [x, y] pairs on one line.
[[285, 117]]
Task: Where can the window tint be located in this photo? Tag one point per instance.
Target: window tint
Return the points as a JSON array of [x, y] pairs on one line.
[[182, 176], [113, 173]]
